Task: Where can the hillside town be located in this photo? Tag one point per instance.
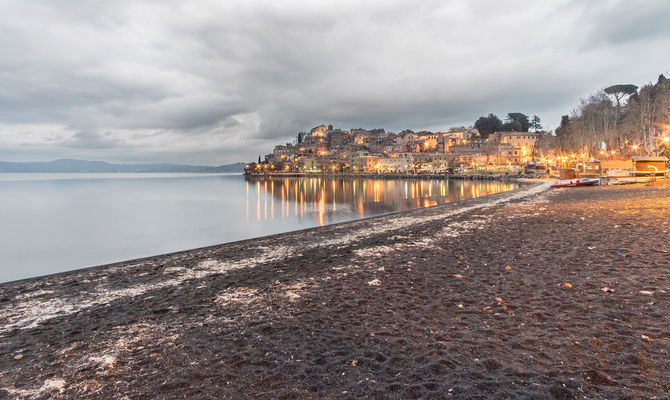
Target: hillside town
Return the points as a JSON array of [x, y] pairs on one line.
[[326, 149], [621, 131]]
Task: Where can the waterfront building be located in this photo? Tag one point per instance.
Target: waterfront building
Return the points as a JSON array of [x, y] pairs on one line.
[[432, 162], [394, 164], [308, 164], [365, 163], [523, 143]]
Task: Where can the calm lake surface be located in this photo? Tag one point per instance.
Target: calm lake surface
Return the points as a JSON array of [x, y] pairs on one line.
[[57, 222]]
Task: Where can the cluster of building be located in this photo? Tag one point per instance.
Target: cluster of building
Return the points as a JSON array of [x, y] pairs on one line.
[[328, 150]]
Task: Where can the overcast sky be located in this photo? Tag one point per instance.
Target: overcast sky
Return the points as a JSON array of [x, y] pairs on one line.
[[214, 82]]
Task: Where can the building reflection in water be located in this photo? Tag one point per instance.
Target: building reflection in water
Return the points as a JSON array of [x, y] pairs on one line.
[[327, 200]]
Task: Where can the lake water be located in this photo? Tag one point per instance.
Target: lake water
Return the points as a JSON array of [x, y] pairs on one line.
[[57, 222]]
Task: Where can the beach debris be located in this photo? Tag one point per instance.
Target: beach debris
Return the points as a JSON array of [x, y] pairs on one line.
[[598, 377], [374, 282], [458, 276], [18, 357], [354, 363], [647, 338], [460, 306], [647, 292], [508, 267], [567, 285], [500, 303], [607, 290], [380, 269], [486, 308]]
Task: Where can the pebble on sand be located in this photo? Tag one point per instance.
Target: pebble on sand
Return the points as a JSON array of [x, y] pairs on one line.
[[18, 356], [567, 285]]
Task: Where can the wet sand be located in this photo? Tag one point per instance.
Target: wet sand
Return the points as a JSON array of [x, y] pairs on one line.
[[532, 294]]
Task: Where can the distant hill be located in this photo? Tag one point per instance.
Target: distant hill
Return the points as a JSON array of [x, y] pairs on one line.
[[68, 165]]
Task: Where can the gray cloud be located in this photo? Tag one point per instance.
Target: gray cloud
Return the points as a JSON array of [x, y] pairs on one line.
[[214, 82]]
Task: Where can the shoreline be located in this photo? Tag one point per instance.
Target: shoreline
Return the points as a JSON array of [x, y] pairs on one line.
[[482, 176], [521, 181], [398, 305]]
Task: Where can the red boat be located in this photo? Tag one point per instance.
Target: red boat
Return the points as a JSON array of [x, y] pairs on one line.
[[576, 182]]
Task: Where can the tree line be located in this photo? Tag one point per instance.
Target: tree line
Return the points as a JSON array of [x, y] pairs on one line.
[[515, 122], [619, 118]]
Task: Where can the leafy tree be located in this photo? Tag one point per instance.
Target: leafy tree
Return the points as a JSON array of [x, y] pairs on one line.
[[488, 125], [299, 137], [512, 126], [535, 123], [518, 120], [620, 91], [622, 116]]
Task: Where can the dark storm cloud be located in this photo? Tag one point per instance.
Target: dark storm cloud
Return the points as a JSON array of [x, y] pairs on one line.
[[214, 82], [628, 21]]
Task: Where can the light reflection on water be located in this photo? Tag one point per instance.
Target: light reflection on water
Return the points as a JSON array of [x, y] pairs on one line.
[[327, 200], [57, 222]]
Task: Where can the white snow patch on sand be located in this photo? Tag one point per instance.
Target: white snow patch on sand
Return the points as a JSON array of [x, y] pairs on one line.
[[374, 251], [456, 229], [104, 361], [29, 312], [50, 385], [140, 332], [171, 270], [387, 224], [292, 295], [36, 293], [237, 295]]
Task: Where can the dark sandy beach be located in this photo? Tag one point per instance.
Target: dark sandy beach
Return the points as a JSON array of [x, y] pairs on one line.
[[537, 293]]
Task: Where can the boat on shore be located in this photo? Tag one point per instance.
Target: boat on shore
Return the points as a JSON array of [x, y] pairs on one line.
[[576, 183]]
